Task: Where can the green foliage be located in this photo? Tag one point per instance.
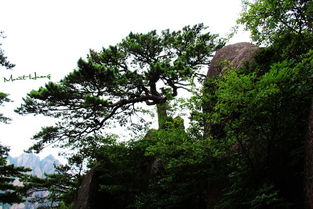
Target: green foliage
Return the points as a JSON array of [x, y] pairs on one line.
[[11, 193], [122, 172], [268, 19], [181, 179], [258, 124], [61, 186], [165, 169], [3, 59], [267, 197], [4, 98]]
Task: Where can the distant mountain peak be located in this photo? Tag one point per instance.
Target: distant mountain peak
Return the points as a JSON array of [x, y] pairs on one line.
[[50, 157], [39, 167]]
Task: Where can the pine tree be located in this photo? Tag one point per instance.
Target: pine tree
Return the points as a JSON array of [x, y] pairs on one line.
[[10, 193], [146, 68]]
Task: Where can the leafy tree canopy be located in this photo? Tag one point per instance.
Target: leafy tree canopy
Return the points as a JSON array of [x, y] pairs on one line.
[[258, 126], [266, 19], [143, 68]]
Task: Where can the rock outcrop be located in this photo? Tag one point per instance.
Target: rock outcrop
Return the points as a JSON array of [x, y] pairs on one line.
[[86, 192], [236, 54]]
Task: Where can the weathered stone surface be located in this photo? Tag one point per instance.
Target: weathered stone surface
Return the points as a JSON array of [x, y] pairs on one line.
[[237, 54], [157, 168], [86, 192]]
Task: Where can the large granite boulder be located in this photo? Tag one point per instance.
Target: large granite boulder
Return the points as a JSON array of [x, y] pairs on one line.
[[235, 54]]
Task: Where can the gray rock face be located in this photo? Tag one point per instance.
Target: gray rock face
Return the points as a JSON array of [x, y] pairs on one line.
[[236, 54], [86, 191]]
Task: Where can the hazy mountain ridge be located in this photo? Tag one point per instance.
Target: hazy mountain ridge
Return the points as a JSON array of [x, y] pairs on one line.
[[39, 168]]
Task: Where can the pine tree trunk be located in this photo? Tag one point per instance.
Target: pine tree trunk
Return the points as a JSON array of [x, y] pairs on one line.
[[162, 114]]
